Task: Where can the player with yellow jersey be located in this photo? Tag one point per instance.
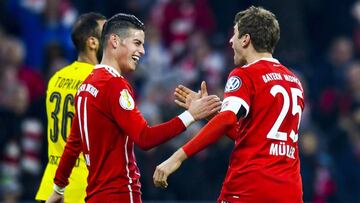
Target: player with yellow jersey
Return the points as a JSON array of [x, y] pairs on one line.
[[60, 94]]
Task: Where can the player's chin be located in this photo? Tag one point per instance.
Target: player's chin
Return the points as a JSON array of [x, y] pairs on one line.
[[132, 66], [239, 61], [236, 61]]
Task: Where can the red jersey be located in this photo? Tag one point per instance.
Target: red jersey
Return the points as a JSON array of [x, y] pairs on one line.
[[264, 165], [106, 126]]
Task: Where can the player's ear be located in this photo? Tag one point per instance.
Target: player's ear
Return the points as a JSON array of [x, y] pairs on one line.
[[245, 40], [114, 40], [93, 43]]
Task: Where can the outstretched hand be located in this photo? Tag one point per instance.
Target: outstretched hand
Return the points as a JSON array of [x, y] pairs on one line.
[[184, 96], [200, 104], [204, 107]]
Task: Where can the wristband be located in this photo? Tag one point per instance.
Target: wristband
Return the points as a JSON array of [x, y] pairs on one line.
[[59, 190], [186, 118]]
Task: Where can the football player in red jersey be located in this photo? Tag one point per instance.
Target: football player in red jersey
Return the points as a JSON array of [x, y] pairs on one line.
[[264, 100], [107, 123]]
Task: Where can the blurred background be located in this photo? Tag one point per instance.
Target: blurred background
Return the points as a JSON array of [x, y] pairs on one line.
[[187, 42]]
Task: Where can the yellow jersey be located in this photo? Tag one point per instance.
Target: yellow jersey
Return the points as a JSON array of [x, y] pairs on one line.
[[60, 94]]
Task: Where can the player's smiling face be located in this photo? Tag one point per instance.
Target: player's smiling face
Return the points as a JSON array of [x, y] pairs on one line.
[[132, 48]]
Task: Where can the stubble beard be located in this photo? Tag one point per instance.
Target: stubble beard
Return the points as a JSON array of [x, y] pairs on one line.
[[239, 61]]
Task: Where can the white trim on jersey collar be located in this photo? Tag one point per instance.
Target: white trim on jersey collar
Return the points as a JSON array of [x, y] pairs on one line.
[[111, 70], [262, 59]]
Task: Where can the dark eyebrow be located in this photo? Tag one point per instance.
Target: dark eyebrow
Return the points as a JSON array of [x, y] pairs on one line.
[[138, 41]]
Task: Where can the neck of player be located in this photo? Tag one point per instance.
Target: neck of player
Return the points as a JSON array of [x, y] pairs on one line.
[[87, 58], [257, 56], [110, 61]]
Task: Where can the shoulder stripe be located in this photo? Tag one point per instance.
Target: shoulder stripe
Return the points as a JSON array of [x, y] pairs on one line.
[[127, 169], [79, 117], [85, 125]]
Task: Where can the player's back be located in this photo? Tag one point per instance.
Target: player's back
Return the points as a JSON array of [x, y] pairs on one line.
[[107, 149], [60, 110], [264, 166]]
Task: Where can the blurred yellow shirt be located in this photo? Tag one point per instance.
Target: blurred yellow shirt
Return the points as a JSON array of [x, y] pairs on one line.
[[60, 94]]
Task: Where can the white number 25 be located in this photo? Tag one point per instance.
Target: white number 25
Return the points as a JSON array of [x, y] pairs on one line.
[[296, 109]]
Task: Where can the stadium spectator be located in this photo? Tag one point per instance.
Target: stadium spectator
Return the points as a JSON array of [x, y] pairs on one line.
[[47, 21], [180, 19], [20, 88]]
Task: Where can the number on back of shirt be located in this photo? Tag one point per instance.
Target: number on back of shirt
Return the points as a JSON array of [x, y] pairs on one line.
[[274, 132], [66, 116]]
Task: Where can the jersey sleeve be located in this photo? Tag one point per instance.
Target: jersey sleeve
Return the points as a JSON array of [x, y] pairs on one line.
[[71, 153], [232, 132], [237, 97], [122, 107], [211, 132], [237, 93]]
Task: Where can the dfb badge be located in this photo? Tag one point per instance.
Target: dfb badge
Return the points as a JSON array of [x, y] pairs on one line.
[[126, 101], [224, 105], [233, 84]]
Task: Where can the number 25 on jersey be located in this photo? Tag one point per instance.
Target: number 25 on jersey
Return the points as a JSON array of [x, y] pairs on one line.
[[295, 109]]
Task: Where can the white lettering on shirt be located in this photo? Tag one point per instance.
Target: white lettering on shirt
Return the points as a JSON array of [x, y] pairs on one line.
[[271, 76], [88, 88], [293, 79], [282, 149]]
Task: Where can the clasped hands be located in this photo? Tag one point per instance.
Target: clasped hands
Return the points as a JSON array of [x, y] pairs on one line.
[[194, 102]]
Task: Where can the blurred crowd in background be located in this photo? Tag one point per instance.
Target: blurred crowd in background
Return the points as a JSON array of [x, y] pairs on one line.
[[187, 42]]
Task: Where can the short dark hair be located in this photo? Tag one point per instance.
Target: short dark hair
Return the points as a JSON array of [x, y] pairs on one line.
[[119, 24], [86, 26], [261, 25]]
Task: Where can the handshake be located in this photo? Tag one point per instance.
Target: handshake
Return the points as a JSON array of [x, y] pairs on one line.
[[200, 105]]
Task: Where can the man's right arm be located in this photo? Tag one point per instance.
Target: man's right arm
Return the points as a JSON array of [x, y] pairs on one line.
[[147, 137], [184, 96], [209, 134], [55, 198], [67, 162], [134, 125]]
